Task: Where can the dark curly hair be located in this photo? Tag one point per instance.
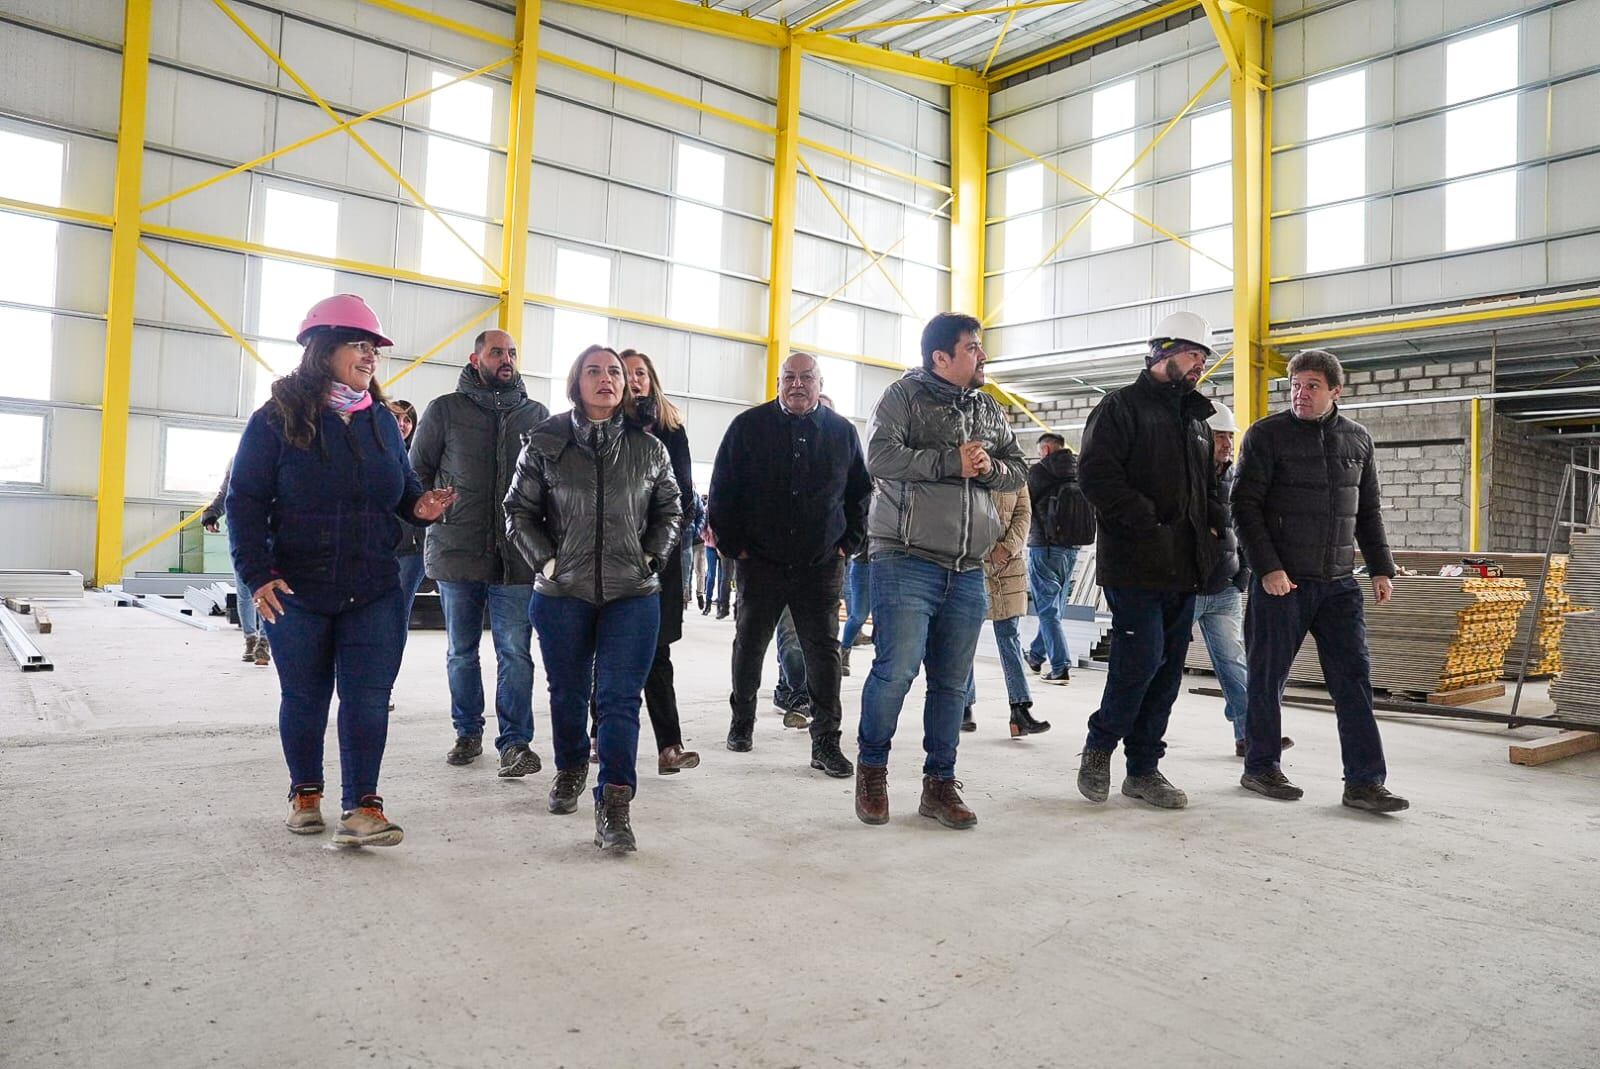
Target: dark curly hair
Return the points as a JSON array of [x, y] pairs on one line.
[[299, 398]]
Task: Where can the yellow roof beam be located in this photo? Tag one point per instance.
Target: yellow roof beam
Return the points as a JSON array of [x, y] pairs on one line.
[[1089, 40]]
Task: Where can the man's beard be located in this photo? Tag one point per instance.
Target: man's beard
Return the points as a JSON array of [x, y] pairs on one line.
[[1185, 383]]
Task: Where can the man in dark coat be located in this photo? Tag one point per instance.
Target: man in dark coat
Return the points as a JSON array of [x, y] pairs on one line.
[[470, 440], [1307, 493], [1061, 521], [1146, 468]]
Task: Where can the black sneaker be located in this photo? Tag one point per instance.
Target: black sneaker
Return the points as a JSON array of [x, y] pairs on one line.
[[517, 761], [1273, 784], [468, 748], [1374, 798], [1033, 663], [568, 786], [1094, 775], [967, 723], [613, 829], [825, 754], [739, 736], [1155, 789]]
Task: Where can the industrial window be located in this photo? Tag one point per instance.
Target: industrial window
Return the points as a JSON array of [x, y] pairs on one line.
[[1024, 243], [839, 329], [31, 170], [193, 459], [584, 277], [1209, 271], [694, 288], [302, 223], [1112, 111], [22, 448], [457, 178], [1210, 199], [1336, 170], [1481, 137]]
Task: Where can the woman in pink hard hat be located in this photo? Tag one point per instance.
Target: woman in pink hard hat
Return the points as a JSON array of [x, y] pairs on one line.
[[320, 485]]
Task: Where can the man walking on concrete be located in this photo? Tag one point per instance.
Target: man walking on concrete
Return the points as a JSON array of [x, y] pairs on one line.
[[936, 446], [1307, 493], [1062, 521], [470, 440], [789, 494], [1146, 468]]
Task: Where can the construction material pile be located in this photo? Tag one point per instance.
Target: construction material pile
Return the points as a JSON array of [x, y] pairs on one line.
[[1576, 691], [1583, 570], [1545, 657]]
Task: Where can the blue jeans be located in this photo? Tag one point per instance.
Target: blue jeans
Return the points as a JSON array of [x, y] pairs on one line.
[[1049, 581], [249, 619], [930, 616], [1150, 632], [1010, 647], [1334, 614], [858, 601], [358, 650], [411, 576], [513, 651], [717, 577], [1221, 620], [602, 652], [791, 691]]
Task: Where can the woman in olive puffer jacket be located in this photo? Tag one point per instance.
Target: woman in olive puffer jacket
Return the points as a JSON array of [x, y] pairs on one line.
[[594, 510]]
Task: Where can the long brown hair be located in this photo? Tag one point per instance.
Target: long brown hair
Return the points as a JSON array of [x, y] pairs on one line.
[[576, 372], [667, 413], [300, 396]]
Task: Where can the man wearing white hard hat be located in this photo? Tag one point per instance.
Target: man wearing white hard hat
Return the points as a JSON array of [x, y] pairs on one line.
[[1146, 467]]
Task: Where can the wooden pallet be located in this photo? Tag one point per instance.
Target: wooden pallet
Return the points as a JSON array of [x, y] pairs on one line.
[[1467, 695]]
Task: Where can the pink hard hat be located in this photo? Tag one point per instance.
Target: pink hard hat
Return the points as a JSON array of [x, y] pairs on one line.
[[342, 310]]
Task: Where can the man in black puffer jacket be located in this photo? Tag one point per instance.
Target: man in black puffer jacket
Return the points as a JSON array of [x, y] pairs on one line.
[[1307, 493], [470, 440], [1146, 468]]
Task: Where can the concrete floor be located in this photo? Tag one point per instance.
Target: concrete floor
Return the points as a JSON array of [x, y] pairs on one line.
[[155, 911]]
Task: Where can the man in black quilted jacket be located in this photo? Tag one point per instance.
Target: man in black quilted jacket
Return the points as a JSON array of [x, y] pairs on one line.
[[1307, 492]]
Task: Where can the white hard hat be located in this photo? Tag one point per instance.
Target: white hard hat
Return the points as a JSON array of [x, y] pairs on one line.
[[1222, 419], [1184, 326]]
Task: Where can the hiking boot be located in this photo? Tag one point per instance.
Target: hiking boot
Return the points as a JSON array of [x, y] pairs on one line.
[[722, 612], [872, 794], [1374, 798], [305, 810], [825, 754], [675, 758], [568, 786], [1272, 783], [263, 652], [844, 661], [1057, 677], [1242, 746], [365, 825], [517, 760], [797, 717], [249, 648], [967, 723], [700, 603], [612, 831], [942, 802], [739, 733], [1156, 790], [1094, 775], [1023, 723], [468, 748], [1033, 663]]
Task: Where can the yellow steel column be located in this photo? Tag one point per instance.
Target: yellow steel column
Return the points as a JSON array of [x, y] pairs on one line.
[[969, 164], [1245, 34], [519, 167], [112, 496], [1475, 480], [785, 161]]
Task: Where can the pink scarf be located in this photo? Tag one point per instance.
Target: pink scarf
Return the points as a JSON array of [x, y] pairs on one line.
[[343, 400]]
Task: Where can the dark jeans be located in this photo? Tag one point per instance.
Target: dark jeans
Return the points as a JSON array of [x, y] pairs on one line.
[[411, 577], [356, 650], [603, 652], [811, 594], [858, 601], [661, 699], [1274, 628], [513, 653], [1149, 636], [791, 691]]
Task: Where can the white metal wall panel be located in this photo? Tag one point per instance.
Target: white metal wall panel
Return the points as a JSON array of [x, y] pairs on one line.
[[45, 77]]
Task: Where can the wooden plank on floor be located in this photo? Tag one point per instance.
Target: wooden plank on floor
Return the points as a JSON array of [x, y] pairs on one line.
[[20, 606], [1554, 747], [41, 621], [1468, 695]]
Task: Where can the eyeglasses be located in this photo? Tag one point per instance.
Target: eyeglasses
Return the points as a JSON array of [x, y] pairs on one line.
[[366, 348]]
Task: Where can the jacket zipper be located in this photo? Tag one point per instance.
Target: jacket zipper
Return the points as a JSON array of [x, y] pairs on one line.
[[495, 529], [966, 499], [599, 519]]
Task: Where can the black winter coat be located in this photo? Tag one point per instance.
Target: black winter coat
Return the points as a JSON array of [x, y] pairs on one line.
[[1230, 569], [1307, 493], [677, 443], [1053, 488], [469, 440], [1146, 468]]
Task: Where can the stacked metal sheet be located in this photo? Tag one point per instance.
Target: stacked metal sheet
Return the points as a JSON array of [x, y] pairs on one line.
[[40, 583], [1583, 570], [1576, 691]]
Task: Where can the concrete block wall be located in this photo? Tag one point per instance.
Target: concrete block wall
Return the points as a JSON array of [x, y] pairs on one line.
[[1523, 490]]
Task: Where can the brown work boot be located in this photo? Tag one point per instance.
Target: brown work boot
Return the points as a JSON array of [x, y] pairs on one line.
[[263, 652], [941, 801], [872, 794], [674, 758], [249, 648]]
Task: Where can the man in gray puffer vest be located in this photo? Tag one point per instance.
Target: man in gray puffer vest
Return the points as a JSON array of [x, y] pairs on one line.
[[936, 446], [470, 440]]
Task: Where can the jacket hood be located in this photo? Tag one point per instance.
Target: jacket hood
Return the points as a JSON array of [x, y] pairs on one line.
[[946, 391], [495, 398]]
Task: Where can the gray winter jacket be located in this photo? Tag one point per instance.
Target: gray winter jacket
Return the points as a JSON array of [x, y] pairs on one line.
[[469, 440], [601, 501], [921, 505]]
